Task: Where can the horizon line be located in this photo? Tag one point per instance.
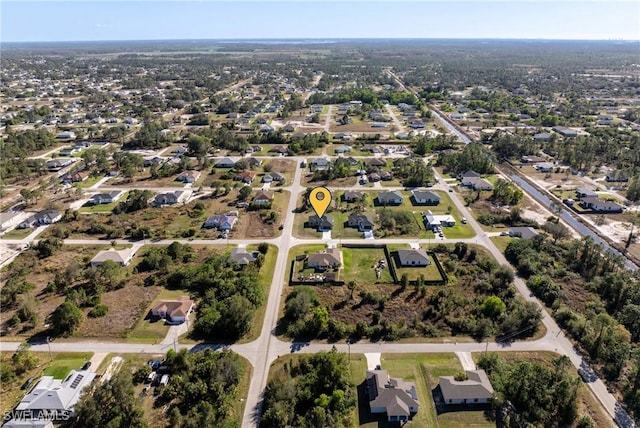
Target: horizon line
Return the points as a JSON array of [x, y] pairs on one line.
[[258, 39]]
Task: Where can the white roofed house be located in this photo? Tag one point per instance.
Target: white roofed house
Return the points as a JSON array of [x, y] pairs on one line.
[[477, 389], [106, 198], [433, 221], [413, 257], [121, 257]]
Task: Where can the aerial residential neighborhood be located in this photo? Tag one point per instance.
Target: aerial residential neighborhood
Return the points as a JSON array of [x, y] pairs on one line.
[[474, 264]]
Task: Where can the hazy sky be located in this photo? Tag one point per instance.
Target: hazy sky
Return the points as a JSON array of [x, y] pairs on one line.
[[26, 20]]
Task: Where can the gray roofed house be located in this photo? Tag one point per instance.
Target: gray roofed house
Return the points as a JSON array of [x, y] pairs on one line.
[[542, 136], [523, 232], [41, 218], [320, 163], [106, 198], [476, 183], [375, 162], [393, 197], [352, 195], [585, 192], [225, 163], [28, 423], [600, 205], [273, 176], [423, 197], [170, 198], [324, 259], [469, 173], [393, 396], [476, 389], [361, 222], [243, 257], [54, 395], [413, 257], [565, 132], [323, 224]]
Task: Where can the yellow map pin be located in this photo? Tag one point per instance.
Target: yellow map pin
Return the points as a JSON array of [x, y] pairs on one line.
[[320, 199]]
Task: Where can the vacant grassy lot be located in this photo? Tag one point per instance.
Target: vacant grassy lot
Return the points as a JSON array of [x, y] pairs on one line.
[[423, 370], [502, 242], [101, 208], [18, 233], [359, 266], [64, 362]]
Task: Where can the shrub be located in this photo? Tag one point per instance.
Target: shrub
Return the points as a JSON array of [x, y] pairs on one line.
[[99, 311]]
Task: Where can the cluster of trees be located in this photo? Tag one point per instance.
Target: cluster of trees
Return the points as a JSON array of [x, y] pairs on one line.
[[136, 200], [425, 144], [532, 393], [229, 295], [162, 258], [605, 320], [474, 156], [397, 222], [314, 391], [203, 388], [504, 193], [412, 172], [339, 168], [150, 137], [369, 98], [18, 146]]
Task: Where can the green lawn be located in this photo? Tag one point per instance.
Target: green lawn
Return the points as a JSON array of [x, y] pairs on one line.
[[358, 265], [101, 208], [64, 362], [459, 231], [266, 278], [424, 370], [18, 233], [90, 181], [501, 242]]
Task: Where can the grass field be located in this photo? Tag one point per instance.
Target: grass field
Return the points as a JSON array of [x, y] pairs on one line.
[[64, 362], [501, 242], [358, 265], [18, 233], [101, 208], [266, 277]]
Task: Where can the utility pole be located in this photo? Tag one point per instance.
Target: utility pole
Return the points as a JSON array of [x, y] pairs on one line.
[[49, 346]]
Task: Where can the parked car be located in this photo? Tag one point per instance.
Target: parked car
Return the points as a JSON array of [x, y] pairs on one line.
[[464, 220], [86, 365], [156, 364], [27, 383]]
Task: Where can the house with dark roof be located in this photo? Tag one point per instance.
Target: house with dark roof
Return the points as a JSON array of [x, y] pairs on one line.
[[542, 136], [476, 183], [323, 224], [352, 196], [375, 162], [393, 396], [42, 218], [225, 163], [422, 197], [273, 176], [245, 176], [565, 132], [320, 163], [361, 222], [174, 311], [468, 173], [325, 259], [263, 198], [475, 390], [393, 197], [523, 232], [617, 177], [413, 257], [170, 198], [596, 204]]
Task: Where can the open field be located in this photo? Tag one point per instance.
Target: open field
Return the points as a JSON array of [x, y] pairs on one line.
[[359, 266], [64, 362]]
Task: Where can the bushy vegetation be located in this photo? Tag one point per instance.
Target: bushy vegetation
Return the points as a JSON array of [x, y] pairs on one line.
[[18, 146], [593, 297], [472, 157], [314, 391]]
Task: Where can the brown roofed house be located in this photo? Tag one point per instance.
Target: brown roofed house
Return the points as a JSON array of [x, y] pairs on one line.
[[324, 259], [174, 311]]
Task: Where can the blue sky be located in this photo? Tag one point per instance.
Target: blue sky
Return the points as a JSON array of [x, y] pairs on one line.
[[26, 20]]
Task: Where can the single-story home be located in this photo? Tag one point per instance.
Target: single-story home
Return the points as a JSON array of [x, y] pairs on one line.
[[243, 257], [245, 176], [121, 257], [565, 132], [413, 257], [174, 311], [542, 136], [323, 224], [544, 167], [352, 196], [320, 163], [221, 222], [254, 162], [374, 176], [523, 232], [375, 162], [433, 221], [422, 197], [393, 197], [106, 198], [584, 192], [263, 198], [170, 198], [343, 149], [476, 183], [225, 163], [53, 399], [361, 222], [468, 173], [58, 164], [325, 259], [273, 176], [393, 396], [41, 218], [600, 205], [617, 177], [189, 176], [532, 159], [475, 390]]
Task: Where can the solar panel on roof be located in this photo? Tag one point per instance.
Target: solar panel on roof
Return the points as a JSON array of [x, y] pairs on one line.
[[77, 381]]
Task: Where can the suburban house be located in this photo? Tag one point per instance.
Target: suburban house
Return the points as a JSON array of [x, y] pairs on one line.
[[170, 198], [584, 192], [544, 167], [374, 176], [565, 132], [245, 176], [76, 177], [531, 159], [476, 183], [433, 221], [542, 136], [273, 176], [596, 204], [121, 257], [225, 163], [106, 198], [343, 149], [468, 174], [189, 176], [352, 196], [58, 164], [523, 232], [393, 396], [221, 222], [375, 162], [66, 135], [320, 163], [324, 259], [413, 257], [476, 389], [390, 198], [243, 257], [617, 177], [361, 222], [422, 197], [174, 311], [323, 224], [41, 218], [8, 220], [279, 149], [263, 198], [153, 161], [386, 176], [54, 398]]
